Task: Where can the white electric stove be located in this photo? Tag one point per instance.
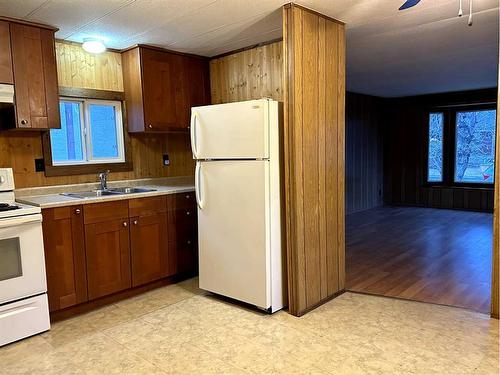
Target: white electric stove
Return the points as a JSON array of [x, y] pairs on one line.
[[23, 288]]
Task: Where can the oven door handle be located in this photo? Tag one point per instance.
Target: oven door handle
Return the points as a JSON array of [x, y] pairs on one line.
[[20, 220]]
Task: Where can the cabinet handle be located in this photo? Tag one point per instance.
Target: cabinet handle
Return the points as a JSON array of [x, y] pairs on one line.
[[188, 213], [77, 211], [188, 196], [124, 223], [135, 222], [189, 242], [150, 126], [24, 122]]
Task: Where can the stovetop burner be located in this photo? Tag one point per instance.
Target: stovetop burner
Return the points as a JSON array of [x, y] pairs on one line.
[[8, 207]]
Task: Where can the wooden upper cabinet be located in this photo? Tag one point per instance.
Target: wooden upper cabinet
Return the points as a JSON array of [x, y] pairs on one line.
[[161, 87], [6, 75], [63, 239], [35, 77]]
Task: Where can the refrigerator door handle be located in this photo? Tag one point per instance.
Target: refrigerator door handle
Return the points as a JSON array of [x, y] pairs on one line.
[[197, 183], [194, 118]]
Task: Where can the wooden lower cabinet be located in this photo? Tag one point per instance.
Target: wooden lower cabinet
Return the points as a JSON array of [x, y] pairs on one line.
[[64, 256], [183, 256], [182, 233], [98, 249], [149, 248], [108, 257]]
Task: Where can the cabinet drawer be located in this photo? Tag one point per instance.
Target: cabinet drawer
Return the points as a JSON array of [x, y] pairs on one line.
[[182, 200], [59, 213], [99, 212], [182, 224], [147, 206]]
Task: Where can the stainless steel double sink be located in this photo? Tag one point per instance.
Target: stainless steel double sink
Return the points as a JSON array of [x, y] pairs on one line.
[[107, 192]]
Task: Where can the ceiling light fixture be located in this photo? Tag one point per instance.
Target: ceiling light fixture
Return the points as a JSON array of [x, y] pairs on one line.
[[93, 45]]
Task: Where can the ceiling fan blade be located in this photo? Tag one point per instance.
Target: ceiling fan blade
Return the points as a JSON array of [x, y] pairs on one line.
[[409, 4]]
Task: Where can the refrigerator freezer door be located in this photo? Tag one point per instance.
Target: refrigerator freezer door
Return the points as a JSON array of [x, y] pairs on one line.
[[231, 131], [233, 224]]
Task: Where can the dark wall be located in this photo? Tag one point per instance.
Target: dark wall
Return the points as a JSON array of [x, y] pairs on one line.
[[364, 157], [405, 145]]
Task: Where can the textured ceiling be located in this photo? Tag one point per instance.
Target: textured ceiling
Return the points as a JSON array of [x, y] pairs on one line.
[[424, 49]]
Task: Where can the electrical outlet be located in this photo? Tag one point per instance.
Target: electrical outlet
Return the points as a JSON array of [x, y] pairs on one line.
[[166, 160], [39, 165]]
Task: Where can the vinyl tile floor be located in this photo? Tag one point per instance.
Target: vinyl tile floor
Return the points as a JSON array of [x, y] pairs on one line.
[[179, 330]]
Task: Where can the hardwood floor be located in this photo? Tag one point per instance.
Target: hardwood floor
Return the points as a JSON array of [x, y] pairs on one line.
[[423, 254]]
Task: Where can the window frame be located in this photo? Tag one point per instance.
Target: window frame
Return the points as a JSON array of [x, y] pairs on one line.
[[449, 145], [97, 165]]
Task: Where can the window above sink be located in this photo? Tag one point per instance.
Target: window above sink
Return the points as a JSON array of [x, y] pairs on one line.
[[93, 135]]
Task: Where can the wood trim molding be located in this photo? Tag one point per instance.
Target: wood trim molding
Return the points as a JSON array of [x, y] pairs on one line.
[[161, 49], [77, 92], [71, 43], [257, 45], [28, 23], [495, 297], [291, 5]]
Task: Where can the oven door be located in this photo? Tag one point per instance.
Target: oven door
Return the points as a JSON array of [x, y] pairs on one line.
[[22, 264]]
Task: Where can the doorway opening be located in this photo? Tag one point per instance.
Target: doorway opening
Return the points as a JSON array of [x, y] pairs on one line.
[[419, 196]]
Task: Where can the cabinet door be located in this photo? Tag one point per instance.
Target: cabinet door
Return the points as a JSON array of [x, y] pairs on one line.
[[193, 88], [5, 55], [159, 89], [183, 256], [182, 224], [149, 248], [108, 257], [35, 77], [63, 240]]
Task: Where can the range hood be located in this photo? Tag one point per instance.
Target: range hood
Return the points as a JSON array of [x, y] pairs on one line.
[[6, 94]]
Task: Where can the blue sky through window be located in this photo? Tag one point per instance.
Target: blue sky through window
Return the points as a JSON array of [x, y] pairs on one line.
[[67, 142], [103, 130]]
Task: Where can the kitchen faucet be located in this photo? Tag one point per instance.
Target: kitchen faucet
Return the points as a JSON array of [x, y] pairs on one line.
[[103, 178]]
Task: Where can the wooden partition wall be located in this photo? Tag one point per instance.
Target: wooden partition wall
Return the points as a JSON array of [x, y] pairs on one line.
[[314, 51]]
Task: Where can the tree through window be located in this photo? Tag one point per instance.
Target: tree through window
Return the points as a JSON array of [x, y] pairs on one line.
[[435, 165], [475, 146]]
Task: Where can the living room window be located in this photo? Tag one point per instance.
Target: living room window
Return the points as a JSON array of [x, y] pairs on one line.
[[461, 146]]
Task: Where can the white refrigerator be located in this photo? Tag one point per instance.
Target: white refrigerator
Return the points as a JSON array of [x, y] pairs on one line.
[[237, 151]]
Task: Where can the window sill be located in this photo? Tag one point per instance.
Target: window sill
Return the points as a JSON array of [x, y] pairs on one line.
[[460, 187], [71, 170]]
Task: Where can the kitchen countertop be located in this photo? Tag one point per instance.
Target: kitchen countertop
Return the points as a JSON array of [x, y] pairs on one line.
[[50, 197]]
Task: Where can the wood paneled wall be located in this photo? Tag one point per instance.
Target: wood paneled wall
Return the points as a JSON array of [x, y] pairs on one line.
[[364, 153], [314, 156], [405, 131], [247, 75], [79, 69], [19, 150]]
